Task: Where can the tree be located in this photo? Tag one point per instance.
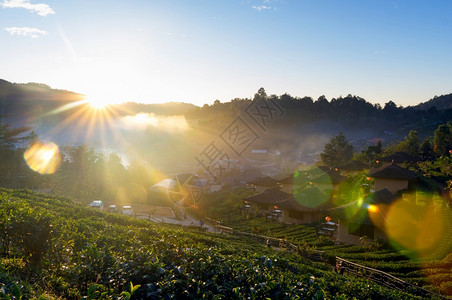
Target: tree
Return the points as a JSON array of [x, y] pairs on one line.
[[379, 147], [79, 175], [338, 151], [261, 94], [390, 106], [426, 150], [442, 140], [12, 141], [115, 172], [411, 143], [371, 153]]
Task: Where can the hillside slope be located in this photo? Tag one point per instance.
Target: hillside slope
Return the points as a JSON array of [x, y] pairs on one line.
[[439, 102], [53, 246]]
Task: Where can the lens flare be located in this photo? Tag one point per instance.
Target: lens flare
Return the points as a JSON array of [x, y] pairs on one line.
[[419, 229], [43, 158], [372, 208], [356, 211], [310, 197]]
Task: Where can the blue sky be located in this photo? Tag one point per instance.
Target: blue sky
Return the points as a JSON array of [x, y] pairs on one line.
[[198, 51]]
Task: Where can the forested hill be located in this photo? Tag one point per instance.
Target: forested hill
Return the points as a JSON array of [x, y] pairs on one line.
[[23, 104], [17, 97], [441, 102], [353, 115]]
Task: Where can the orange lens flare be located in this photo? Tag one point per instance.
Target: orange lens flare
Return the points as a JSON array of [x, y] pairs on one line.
[[415, 228], [372, 208], [43, 158]]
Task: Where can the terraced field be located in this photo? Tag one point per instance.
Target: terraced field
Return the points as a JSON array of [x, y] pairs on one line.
[[435, 275], [52, 247]]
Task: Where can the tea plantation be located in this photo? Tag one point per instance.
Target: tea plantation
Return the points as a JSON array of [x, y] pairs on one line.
[[52, 247]]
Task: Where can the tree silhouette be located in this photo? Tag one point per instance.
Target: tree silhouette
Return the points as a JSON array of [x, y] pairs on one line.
[[442, 140], [426, 150], [337, 152]]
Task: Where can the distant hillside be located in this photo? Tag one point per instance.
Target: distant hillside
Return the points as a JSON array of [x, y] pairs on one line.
[[440, 102], [302, 128], [18, 101], [27, 104], [16, 98]]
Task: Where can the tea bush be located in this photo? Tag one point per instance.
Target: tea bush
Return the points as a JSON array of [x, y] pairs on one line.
[[54, 247]]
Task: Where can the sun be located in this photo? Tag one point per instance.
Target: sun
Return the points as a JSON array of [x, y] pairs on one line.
[[97, 103]]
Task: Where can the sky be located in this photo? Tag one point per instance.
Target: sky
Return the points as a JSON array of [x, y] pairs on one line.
[[197, 51]]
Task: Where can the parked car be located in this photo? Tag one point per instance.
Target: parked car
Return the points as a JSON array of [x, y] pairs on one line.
[[97, 204], [127, 210], [113, 208]]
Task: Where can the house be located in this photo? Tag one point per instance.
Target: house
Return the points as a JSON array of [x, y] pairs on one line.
[[363, 217], [398, 157], [328, 181], [317, 171], [263, 183], [241, 178], [294, 181], [266, 200], [392, 177], [304, 207], [184, 188]]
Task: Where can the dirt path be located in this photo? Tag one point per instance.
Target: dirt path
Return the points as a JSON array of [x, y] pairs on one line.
[[164, 214]]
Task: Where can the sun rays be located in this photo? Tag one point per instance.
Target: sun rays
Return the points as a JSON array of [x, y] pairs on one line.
[[88, 120], [98, 124], [91, 119]]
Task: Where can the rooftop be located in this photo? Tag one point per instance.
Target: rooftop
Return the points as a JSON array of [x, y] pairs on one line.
[[264, 181], [270, 196], [392, 171], [399, 157], [354, 165]]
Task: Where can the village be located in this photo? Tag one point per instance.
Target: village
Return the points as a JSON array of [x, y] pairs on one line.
[[348, 204]]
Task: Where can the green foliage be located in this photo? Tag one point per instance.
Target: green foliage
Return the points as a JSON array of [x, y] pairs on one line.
[[337, 151], [11, 138], [12, 292], [411, 143], [355, 187], [12, 142], [94, 255], [222, 202], [426, 150], [442, 139]]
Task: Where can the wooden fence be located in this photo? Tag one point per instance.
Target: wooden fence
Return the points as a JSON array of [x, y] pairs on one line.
[[341, 264], [382, 278]]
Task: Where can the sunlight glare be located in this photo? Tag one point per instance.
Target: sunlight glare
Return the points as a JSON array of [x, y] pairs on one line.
[[97, 103]]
